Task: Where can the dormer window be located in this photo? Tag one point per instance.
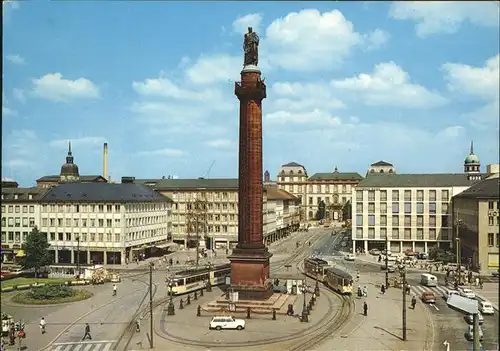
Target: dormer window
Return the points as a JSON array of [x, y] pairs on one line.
[[381, 171], [372, 171], [291, 171], [390, 171], [282, 172], [300, 171], [30, 197], [15, 196]]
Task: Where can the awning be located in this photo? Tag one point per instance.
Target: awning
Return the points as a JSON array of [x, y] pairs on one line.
[[164, 246], [20, 253]]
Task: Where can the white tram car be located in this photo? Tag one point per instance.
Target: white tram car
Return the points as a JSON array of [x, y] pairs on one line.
[[191, 280], [315, 268], [339, 280]]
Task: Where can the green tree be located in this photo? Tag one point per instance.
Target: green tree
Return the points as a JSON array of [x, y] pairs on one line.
[[36, 250]]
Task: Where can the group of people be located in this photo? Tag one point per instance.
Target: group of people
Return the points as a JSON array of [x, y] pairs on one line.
[[86, 334]]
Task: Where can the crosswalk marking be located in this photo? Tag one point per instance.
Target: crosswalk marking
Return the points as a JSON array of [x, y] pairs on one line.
[[437, 290], [83, 346]]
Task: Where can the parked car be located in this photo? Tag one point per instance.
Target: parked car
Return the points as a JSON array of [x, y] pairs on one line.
[[466, 292], [470, 319], [486, 307], [349, 257], [428, 297], [226, 322], [375, 252], [469, 334], [422, 255]]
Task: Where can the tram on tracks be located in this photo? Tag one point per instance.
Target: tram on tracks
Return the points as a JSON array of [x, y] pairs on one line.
[[315, 268], [191, 280], [339, 280]]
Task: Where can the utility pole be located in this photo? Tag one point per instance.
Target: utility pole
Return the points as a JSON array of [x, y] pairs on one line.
[[402, 272], [78, 256], [386, 261], [476, 344], [151, 264]]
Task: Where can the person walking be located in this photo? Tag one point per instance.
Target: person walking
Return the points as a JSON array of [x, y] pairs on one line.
[[365, 291], [87, 332], [413, 302], [42, 325], [365, 308], [357, 276], [114, 289], [382, 289]]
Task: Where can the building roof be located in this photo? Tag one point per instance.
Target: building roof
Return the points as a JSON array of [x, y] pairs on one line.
[[392, 180], [23, 194], [336, 176], [192, 184], [278, 194], [484, 189], [83, 178], [292, 164], [381, 163], [102, 192]]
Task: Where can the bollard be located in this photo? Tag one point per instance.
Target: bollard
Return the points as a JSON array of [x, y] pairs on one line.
[[209, 287], [274, 314], [248, 312], [196, 295], [181, 304], [201, 292], [198, 311], [170, 309], [188, 302]]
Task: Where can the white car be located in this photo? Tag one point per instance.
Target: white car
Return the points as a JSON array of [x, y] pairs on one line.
[[349, 257], [226, 322], [486, 307], [448, 292], [468, 293], [470, 318]]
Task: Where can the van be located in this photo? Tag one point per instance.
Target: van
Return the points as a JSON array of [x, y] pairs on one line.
[[428, 280], [485, 307]]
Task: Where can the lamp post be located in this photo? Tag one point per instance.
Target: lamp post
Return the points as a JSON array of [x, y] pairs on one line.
[[402, 272], [458, 224], [170, 308], [305, 316], [386, 261], [78, 256]]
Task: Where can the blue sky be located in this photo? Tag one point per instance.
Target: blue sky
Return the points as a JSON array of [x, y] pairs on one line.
[[348, 84]]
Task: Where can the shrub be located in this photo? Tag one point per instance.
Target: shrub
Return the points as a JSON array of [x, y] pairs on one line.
[[50, 292]]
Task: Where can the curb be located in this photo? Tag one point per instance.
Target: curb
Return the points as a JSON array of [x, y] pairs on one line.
[[480, 298]]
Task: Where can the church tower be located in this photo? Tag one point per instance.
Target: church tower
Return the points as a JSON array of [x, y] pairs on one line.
[[69, 170], [472, 165]]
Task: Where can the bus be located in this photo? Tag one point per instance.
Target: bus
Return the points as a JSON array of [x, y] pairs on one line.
[[428, 280]]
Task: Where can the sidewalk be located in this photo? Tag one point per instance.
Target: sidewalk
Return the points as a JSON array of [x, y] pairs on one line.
[[489, 292]]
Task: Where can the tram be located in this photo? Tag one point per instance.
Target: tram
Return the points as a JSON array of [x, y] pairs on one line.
[[338, 280], [315, 268], [191, 280]]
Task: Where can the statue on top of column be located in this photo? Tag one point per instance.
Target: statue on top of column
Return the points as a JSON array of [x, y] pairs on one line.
[[251, 48]]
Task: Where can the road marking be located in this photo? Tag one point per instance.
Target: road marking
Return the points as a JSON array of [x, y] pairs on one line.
[[433, 305], [84, 342]]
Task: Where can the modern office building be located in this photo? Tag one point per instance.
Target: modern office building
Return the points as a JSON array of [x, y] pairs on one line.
[[476, 224], [104, 223]]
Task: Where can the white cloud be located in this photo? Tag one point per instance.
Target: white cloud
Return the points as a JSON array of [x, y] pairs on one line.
[[22, 149], [482, 82], [54, 87], [311, 41], [220, 143], [241, 24], [376, 39], [445, 17], [19, 95], [84, 142], [215, 68], [15, 59], [163, 152], [310, 118], [389, 85], [303, 96]]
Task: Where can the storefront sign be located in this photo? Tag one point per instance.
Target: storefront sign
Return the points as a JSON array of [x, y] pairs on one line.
[[16, 246], [5, 246]]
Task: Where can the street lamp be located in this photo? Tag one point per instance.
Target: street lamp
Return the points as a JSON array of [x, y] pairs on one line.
[[459, 259], [170, 308], [316, 288], [402, 273], [78, 256], [386, 261], [305, 316]]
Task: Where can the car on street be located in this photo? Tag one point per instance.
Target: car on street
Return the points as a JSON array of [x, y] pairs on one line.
[[349, 257], [470, 318], [485, 307], [226, 322], [466, 292], [390, 268], [469, 334], [448, 292], [428, 297], [374, 252]]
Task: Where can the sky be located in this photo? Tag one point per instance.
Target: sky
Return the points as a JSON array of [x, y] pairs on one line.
[[348, 84]]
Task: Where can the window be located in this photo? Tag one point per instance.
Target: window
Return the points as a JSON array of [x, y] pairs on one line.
[[383, 220], [52, 236], [4, 222], [18, 222], [101, 223], [444, 207], [407, 221], [407, 234], [395, 195], [359, 233], [432, 221], [68, 222], [52, 222], [491, 239], [383, 195], [11, 209], [371, 195], [491, 205], [92, 236], [383, 233], [18, 209], [117, 238], [359, 195], [60, 236], [407, 207], [395, 221], [371, 220], [420, 234], [498, 239], [108, 237], [420, 195], [32, 222], [444, 221], [445, 195], [117, 208], [101, 237], [68, 236], [420, 221], [432, 195], [445, 234], [407, 195], [371, 233], [310, 200], [11, 222], [11, 236], [32, 209], [101, 208], [25, 209], [109, 222], [75, 222], [359, 219], [395, 233], [371, 207], [491, 221], [432, 234], [117, 221], [25, 222], [4, 237], [383, 207], [359, 207], [420, 207], [432, 207], [18, 237], [395, 207], [69, 208], [109, 208], [84, 222]]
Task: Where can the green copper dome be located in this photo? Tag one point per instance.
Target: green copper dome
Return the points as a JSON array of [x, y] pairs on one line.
[[471, 159]]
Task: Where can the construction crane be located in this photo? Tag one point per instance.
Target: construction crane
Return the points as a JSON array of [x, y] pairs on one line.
[[207, 175]]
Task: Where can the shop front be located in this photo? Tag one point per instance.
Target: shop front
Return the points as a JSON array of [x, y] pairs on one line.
[[7, 254]]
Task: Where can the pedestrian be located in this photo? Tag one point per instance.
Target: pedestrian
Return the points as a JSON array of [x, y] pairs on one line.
[[42, 325], [413, 302], [360, 293], [87, 332], [365, 308], [477, 281], [357, 276], [114, 289], [365, 291], [382, 289]]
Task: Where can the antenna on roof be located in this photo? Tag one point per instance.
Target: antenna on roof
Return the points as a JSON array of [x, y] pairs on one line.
[[207, 174]]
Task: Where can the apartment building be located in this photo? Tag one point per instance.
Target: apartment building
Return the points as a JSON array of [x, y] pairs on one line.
[[334, 189], [221, 197], [287, 216], [477, 222], [20, 214], [104, 223], [413, 211]]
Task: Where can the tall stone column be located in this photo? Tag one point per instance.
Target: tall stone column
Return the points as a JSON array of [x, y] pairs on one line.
[[250, 258]]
